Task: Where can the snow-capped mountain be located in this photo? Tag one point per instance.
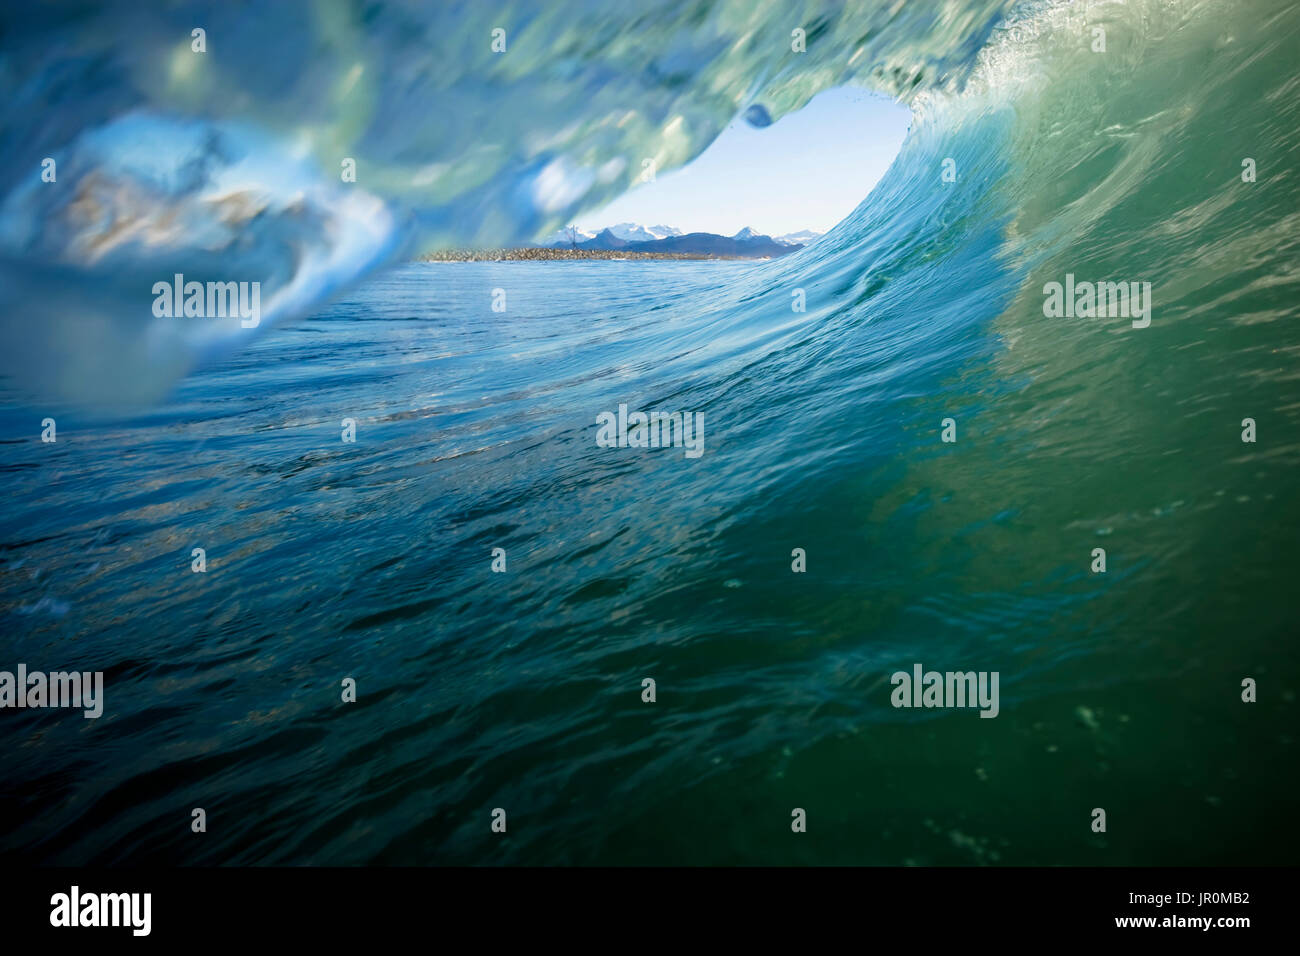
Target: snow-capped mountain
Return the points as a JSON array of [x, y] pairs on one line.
[[631, 232], [568, 236], [627, 231], [746, 243], [801, 238], [635, 232]]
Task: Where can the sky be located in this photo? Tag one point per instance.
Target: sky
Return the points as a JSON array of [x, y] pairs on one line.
[[808, 170]]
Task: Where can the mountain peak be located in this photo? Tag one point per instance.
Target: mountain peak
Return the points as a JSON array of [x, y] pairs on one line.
[[635, 232], [624, 235], [801, 238]]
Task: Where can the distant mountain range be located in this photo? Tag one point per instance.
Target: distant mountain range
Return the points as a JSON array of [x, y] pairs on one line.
[[637, 238]]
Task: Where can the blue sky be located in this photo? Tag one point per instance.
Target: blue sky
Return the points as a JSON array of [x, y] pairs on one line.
[[808, 170]]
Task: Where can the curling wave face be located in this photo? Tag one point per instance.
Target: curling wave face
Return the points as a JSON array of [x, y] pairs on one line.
[[822, 432], [228, 162]]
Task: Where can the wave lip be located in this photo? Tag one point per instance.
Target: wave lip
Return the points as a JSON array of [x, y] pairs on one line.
[[224, 163], [148, 200]]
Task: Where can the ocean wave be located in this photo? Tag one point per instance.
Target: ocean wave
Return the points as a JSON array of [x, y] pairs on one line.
[[1033, 157]]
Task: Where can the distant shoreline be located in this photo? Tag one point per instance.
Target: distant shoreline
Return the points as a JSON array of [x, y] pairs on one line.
[[547, 254]]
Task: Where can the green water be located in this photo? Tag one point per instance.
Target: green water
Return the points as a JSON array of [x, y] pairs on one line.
[[522, 690]]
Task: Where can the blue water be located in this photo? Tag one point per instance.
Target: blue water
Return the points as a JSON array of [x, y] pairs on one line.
[[476, 430]]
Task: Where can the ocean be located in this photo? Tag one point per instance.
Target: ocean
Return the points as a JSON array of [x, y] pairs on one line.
[[521, 688]]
